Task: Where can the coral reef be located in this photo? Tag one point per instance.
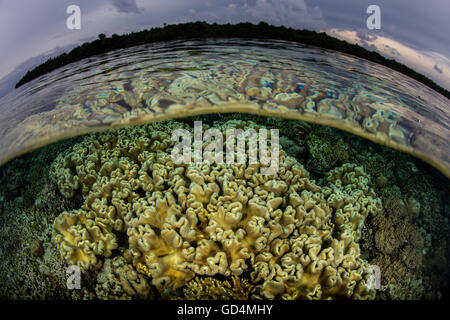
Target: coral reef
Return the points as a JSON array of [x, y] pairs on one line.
[[81, 238], [213, 289], [296, 239], [141, 227], [119, 280], [30, 266], [399, 242], [326, 150], [396, 245], [422, 193]]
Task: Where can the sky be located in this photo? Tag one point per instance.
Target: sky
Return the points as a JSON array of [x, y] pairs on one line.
[[413, 32]]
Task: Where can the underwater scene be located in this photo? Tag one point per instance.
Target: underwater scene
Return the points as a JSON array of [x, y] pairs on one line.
[[224, 169]]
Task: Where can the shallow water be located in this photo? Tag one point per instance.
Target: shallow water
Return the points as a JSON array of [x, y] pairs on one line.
[[153, 82], [404, 234]]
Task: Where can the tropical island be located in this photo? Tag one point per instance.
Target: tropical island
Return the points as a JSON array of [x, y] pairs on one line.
[[201, 30]]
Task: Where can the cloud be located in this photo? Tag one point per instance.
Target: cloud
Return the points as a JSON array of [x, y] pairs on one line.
[[24, 34], [8, 82], [127, 6], [423, 61], [365, 34], [292, 13], [365, 37], [390, 50], [438, 68]]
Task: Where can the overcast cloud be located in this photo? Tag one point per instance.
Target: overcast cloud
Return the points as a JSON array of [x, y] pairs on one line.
[[414, 32], [127, 6]]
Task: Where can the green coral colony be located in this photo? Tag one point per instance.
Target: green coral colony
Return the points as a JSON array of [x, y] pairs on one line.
[[140, 226]]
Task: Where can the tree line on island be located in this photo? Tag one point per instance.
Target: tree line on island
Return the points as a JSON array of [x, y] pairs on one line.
[[200, 30]]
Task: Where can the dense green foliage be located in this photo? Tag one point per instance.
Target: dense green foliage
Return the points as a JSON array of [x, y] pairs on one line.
[[196, 30]]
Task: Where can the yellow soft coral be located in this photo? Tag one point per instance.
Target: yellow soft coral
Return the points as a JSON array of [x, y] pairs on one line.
[[81, 239], [210, 288], [297, 240]]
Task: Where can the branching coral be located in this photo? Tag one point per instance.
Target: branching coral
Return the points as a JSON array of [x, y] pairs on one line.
[[213, 289], [296, 239], [397, 245]]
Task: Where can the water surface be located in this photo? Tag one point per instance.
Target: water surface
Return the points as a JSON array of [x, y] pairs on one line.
[[274, 78]]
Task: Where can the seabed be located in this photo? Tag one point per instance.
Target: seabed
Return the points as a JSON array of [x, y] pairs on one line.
[[400, 226]]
